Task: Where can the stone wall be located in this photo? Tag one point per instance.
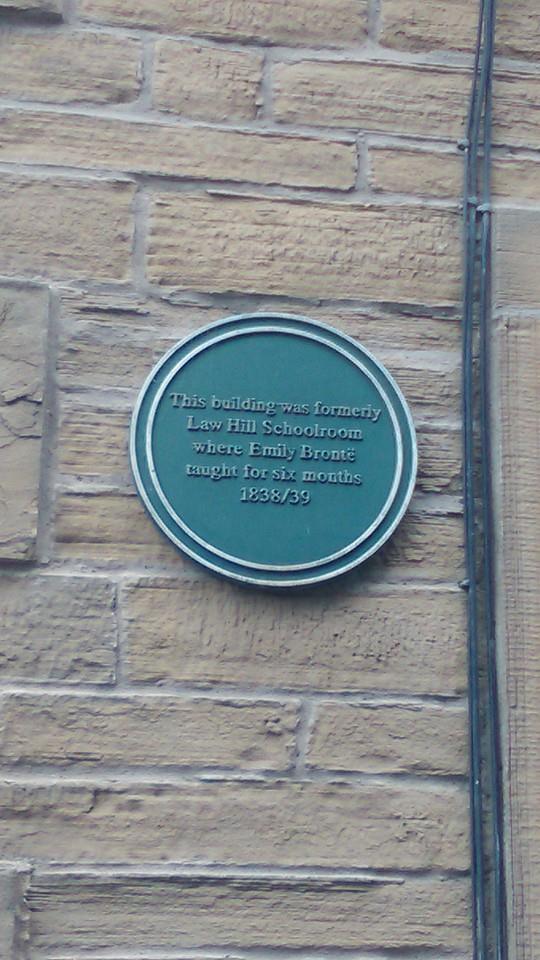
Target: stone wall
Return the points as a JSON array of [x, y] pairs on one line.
[[516, 416], [192, 769]]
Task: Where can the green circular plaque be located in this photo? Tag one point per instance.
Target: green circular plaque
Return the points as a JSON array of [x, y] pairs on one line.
[[273, 450]]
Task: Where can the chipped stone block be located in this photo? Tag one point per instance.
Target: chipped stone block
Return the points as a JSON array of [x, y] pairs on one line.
[[23, 323]]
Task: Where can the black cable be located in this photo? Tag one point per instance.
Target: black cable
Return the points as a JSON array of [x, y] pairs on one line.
[[475, 748], [493, 716], [480, 570]]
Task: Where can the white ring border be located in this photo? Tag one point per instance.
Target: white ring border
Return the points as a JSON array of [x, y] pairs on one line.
[[242, 578], [252, 565]]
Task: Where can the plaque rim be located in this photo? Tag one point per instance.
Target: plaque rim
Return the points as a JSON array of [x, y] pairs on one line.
[[258, 580]]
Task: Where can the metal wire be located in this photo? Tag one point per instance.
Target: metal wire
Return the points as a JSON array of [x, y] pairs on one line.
[[489, 937]]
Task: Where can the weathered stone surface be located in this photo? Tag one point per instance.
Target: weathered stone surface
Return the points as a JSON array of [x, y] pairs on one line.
[[516, 99], [323, 639], [427, 546], [222, 243], [13, 913], [178, 151], [114, 339], [423, 173], [431, 382], [136, 731], [94, 441], [518, 28], [394, 98], [428, 24], [439, 460], [111, 530], [93, 326], [329, 22], [517, 236], [23, 329], [190, 912], [431, 24], [90, 357], [516, 412], [388, 97], [131, 311], [67, 632], [430, 174], [23, 325], [378, 328], [64, 67], [46, 9], [85, 227], [516, 177], [389, 739], [296, 824], [210, 83]]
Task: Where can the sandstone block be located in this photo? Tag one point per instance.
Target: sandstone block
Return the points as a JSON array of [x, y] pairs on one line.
[[23, 330], [123, 308], [93, 442], [324, 639], [177, 913], [439, 460], [516, 413], [111, 529], [222, 243], [42, 9], [327, 22], [64, 67], [516, 99], [427, 546], [418, 172], [113, 340], [389, 739], [85, 227], [136, 731], [67, 632], [90, 356], [380, 329], [391, 98], [104, 143], [425, 173], [516, 177], [295, 824], [13, 913], [431, 24], [431, 382], [394, 98], [428, 24], [209, 83], [375, 326], [516, 239], [518, 29]]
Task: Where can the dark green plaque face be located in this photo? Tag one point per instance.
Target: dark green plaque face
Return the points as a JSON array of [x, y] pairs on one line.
[[273, 450]]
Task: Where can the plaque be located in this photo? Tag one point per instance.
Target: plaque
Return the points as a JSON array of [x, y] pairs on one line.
[[273, 449]]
